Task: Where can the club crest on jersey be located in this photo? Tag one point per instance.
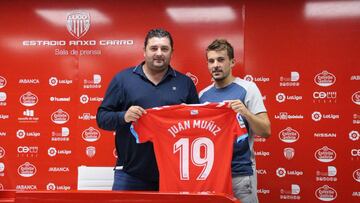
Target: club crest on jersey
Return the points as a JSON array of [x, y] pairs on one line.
[[78, 23], [194, 112]]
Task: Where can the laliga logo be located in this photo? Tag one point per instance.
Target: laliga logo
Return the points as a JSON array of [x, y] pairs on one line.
[[84, 99], [52, 151], [316, 116], [248, 78], [193, 78], [281, 172], [51, 186], [53, 81], [78, 23], [356, 98], [280, 97], [354, 135], [2, 152]]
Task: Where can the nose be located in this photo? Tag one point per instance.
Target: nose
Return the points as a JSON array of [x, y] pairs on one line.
[[158, 51]]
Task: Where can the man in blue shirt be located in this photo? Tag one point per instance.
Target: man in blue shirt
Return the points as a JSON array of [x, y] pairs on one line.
[[150, 84], [245, 99]]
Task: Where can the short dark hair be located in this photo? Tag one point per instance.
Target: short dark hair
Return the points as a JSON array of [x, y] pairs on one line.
[[160, 33], [221, 44]]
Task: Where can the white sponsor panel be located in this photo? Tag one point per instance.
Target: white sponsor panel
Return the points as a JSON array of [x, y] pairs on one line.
[[91, 134], [27, 170], [60, 117], [289, 135], [28, 99], [325, 154], [326, 193], [325, 79]]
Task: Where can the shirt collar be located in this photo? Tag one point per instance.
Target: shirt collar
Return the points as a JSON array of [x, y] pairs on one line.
[[139, 70]]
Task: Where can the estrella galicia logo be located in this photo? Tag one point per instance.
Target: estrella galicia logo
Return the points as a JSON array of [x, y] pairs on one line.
[[78, 23]]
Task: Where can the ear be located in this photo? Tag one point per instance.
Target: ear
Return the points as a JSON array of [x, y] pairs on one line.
[[144, 49], [232, 63]]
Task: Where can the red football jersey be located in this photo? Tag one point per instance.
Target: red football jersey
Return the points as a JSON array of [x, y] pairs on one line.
[[193, 145]]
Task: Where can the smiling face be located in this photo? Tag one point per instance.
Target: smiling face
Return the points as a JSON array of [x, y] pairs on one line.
[[220, 65], [157, 53]]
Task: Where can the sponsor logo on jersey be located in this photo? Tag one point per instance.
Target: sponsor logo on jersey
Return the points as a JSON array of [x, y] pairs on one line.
[[91, 134], [326, 193], [289, 135], [28, 99], [325, 79], [27, 170], [325, 154], [60, 117]]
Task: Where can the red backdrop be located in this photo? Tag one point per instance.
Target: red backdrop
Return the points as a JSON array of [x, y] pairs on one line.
[[303, 58]]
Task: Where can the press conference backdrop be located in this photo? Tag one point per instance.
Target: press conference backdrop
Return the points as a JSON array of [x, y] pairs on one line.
[[57, 59]]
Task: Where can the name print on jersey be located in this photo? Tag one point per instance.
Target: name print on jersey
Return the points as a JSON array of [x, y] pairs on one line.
[[200, 124]]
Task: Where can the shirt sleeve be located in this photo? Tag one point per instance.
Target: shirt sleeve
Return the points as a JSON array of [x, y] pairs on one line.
[[193, 97], [254, 100], [110, 114]]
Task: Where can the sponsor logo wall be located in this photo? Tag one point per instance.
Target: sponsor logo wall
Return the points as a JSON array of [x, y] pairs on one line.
[[52, 83]]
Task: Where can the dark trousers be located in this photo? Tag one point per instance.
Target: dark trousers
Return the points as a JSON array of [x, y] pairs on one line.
[[124, 181]]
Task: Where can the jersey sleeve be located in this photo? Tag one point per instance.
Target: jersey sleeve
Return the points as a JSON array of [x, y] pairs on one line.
[[142, 129], [239, 128], [254, 100]]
